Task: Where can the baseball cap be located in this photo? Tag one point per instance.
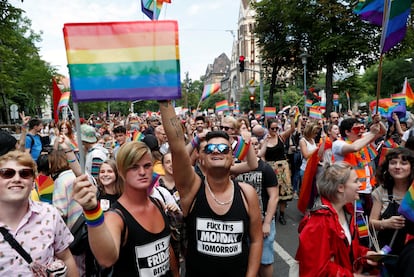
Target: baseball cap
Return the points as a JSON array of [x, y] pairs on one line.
[[88, 133]]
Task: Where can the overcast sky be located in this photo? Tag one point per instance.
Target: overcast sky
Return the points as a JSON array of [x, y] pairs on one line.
[[202, 24]]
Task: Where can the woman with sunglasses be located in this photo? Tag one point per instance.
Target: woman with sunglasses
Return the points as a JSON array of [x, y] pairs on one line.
[[273, 151], [222, 216], [34, 223]]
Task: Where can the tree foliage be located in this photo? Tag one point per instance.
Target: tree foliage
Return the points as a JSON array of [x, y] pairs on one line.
[[25, 79]]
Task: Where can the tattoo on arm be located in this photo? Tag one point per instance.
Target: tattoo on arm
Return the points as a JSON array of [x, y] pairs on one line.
[[177, 126]]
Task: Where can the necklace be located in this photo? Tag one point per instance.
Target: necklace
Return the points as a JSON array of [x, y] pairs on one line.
[[215, 199]]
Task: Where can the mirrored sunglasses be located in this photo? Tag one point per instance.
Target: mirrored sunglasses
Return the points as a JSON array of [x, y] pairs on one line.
[[221, 148], [8, 173]]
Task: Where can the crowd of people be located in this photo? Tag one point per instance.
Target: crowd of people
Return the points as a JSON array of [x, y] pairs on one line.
[[163, 194]]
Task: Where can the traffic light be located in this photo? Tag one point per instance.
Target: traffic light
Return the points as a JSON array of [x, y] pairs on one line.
[[241, 63], [251, 98]]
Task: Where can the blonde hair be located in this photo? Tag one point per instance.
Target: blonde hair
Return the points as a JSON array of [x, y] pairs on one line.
[[129, 155], [310, 130], [332, 176], [22, 158]]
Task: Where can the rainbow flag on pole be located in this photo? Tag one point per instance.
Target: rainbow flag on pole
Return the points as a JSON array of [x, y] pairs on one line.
[[64, 100], [270, 112], [123, 60], [315, 113], [409, 95], [137, 136], [210, 89], [222, 106], [407, 204], [241, 149]]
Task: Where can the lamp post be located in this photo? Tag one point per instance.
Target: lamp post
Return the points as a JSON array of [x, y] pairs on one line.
[[304, 56]]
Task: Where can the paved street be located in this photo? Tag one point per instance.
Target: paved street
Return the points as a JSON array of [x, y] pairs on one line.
[[286, 240]]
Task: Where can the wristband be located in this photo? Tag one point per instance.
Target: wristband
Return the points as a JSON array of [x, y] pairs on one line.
[[195, 142], [94, 217], [71, 161]]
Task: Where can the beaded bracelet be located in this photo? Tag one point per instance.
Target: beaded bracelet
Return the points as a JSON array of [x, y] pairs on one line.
[[94, 217], [195, 142]]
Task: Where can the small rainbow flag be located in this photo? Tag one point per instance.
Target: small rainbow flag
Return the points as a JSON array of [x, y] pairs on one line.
[[152, 8], [222, 106], [241, 149], [270, 112], [308, 103], [409, 95], [315, 113], [360, 221], [123, 60], [45, 186], [64, 100], [407, 204], [137, 136], [210, 89]]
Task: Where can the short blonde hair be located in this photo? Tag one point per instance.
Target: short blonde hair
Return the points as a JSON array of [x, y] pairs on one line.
[[129, 155], [22, 158]]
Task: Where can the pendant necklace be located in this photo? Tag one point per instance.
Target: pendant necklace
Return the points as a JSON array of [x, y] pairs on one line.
[[215, 199]]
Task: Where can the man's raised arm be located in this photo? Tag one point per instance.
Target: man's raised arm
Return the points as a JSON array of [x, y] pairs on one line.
[[186, 180]]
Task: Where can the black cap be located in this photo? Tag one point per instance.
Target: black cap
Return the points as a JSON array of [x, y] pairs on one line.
[[7, 142], [151, 141]]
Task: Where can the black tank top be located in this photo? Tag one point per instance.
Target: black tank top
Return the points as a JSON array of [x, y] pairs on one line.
[[144, 253], [217, 244], [277, 152]]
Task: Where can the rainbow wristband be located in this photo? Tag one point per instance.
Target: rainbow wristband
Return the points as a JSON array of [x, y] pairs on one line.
[[195, 142], [94, 217]]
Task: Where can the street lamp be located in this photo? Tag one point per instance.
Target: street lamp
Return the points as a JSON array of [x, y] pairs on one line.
[[304, 56]]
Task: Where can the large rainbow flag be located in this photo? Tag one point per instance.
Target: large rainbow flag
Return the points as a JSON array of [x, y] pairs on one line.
[[123, 60]]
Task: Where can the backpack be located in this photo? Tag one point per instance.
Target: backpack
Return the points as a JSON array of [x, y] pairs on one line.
[[45, 140]]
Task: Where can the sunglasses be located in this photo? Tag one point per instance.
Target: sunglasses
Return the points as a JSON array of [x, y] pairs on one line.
[[274, 128], [8, 173], [225, 128], [357, 129], [221, 148]]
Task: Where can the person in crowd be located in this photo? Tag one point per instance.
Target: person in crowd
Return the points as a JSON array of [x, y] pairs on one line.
[[200, 122], [395, 176], [215, 206], [120, 135], [96, 154], [152, 143], [243, 124], [134, 237], [264, 180], [353, 149], [334, 118], [64, 178], [33, 143], [31, 223], [110, 185], [307, 146], [328, 240], [153, 122], [7, 143], [167, 181], [65, 128], [44, 184], [272, 150], [162, 139]]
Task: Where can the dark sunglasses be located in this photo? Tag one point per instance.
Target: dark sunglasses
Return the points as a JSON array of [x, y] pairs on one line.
[[8, 173], [274, 128], [221, 148], [225, 128]]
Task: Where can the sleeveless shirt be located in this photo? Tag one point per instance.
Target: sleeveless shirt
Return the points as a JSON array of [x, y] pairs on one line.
[[144, 253], [217, 244], [277, 152]]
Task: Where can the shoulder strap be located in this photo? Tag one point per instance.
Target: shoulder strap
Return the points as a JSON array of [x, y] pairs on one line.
[[123, 241], [15, 245], [243, 194], [390, 196], [32, 141]]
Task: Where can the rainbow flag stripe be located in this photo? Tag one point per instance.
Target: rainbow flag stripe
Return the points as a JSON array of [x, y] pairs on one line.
[[407, 204], [222, 106], [362, 227], [308, 102], [64, 100], [315, 113], [398, 98], [123, 60], [45, 186], [270, 112], [210, 89], [137, 136], [241, 149]]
